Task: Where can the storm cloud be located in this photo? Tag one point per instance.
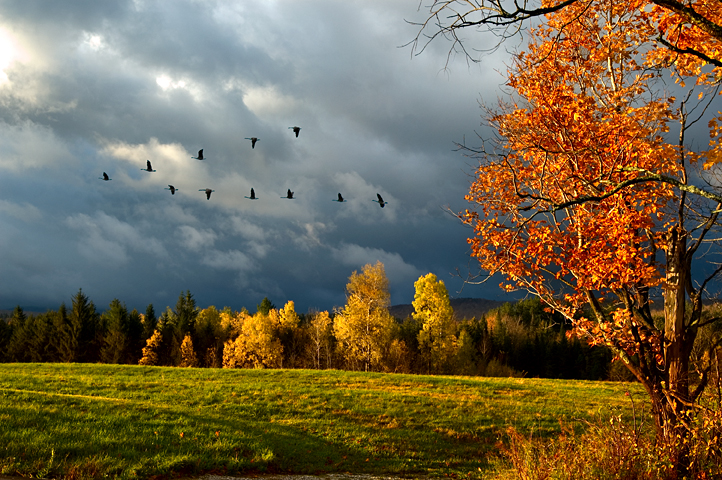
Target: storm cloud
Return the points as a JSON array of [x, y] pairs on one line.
[[90, 87]]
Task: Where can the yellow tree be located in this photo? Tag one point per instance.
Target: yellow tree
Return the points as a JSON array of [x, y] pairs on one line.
[[437, 338], [150, 351], [257, 344], [319, 334], [363, 327], [188, 353], [286, 322]]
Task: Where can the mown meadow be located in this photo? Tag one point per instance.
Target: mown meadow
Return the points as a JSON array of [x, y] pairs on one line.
[[85, 421]]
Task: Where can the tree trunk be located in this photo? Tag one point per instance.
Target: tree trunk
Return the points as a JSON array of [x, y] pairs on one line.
[[669, 402]]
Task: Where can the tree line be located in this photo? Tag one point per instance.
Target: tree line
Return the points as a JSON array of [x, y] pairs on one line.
[[513, 340]]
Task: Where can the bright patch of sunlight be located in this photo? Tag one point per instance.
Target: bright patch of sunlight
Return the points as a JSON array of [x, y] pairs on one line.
[[171, 153], [94, 41], [9, 52], [167, 84], [267, 100]]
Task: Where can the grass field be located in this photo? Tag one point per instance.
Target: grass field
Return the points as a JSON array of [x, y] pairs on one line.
[[84, 421]]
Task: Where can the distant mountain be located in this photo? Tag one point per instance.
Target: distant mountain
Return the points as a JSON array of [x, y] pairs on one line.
[[463, 308]]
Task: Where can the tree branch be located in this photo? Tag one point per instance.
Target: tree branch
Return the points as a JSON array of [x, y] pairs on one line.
[[689, 51]]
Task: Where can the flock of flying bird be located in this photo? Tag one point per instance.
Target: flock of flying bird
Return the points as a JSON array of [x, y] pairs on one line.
[[208, 191]]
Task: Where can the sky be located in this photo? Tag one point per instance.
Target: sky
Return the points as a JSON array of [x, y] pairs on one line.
[[88, 87]]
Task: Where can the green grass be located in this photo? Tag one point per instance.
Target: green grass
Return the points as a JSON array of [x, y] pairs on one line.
[[91, 421]]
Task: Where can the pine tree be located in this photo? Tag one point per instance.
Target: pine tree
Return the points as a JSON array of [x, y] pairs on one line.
[[186, 312], [134, 332], [115, 340], [466, 356], [82, 329], [265, 306], [150, 322], [66, 339], [17, 345]]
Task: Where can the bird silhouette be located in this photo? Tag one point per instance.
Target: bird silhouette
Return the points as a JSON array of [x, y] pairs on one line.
[[340, 198], [148, 168], [289, 194], [208, 192], [253, 141], [105, 177], [381, 201], [296, 130], [200, 155], [172, 189], [253, 195]]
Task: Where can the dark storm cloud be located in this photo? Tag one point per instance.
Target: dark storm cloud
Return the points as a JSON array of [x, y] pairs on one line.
[[105, 86]]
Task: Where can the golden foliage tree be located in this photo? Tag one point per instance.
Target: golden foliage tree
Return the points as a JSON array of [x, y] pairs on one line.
[[150, 351], [320, 329], [589, 201], [188, 354], [437, 339], [363, 327], [257, 345]]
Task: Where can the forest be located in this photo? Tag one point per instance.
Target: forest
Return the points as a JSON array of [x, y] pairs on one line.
[[516, 339]]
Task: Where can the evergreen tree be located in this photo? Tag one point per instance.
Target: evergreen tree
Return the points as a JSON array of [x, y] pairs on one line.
[[39, 332], [5, 334], [115, 340], [83, 345], [186, 313], [265, 306], [17, 345], [66, 339], [466, 358], [136, 341], [150, 322]]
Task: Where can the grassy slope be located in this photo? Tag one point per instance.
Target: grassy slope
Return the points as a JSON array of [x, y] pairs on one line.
[[89, 421]]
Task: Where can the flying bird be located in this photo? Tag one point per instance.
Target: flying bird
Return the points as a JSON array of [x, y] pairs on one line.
[[296, 130], [253, 141], [381, 201], [105, 177], [172, 189], [340, 198], [148, 168], [200, 155], [208, 192], [289, 194], [253, 195]]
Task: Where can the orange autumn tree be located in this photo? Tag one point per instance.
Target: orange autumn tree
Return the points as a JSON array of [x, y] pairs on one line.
[[690, 29], [589, 197]]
